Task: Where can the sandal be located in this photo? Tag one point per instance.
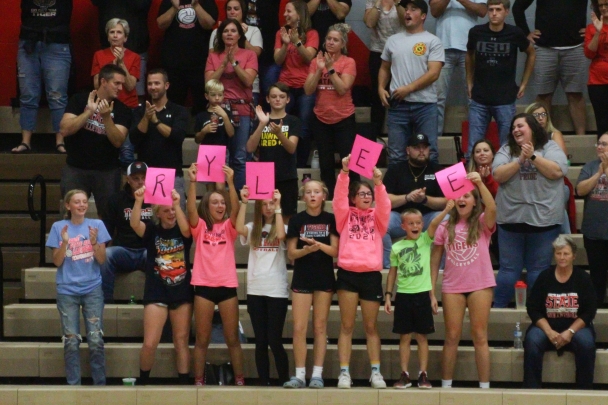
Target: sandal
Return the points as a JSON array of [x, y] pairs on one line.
[[58, 146], [27, 148], [294, 382]]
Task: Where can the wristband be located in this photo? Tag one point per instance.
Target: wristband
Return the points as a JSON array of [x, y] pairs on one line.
[[278, 211], [331, 71]]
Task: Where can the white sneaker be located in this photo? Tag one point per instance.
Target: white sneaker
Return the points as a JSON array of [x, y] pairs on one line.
[[344, 380], [377, 380]]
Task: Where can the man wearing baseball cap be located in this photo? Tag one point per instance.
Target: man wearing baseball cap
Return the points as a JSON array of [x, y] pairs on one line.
[[127, 252], [412, 184], [411, 61]]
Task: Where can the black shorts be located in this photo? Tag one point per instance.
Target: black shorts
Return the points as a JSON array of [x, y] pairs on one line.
[[367, 284], [215, 294], [289, 196], [307, 282], [413, 314]]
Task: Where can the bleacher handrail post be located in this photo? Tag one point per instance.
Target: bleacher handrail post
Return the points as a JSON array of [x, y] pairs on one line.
[[39, 215]]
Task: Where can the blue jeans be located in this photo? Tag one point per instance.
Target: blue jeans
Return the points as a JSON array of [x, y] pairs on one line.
[[480, 116], [537, 343], [395, 231], [303, 105], [532, 251], [407, 119], [238, 150], [48, 63], [92, 312], [454, 59], [119, 260]]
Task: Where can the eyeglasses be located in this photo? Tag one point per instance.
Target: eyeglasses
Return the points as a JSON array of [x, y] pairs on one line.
[[540, 115], [602, 144], [364, 194]]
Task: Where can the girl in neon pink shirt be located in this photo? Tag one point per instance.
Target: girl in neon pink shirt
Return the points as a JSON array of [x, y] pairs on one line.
[[214, 271], [468, 277], [361, 228]]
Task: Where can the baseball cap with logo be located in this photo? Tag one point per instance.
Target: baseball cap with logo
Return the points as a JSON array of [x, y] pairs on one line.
[[137, 167], [421, 4], [417, 140]]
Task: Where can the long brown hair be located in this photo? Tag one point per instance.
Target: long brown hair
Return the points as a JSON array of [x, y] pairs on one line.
[[473, 228], [305, 21], [255, 239], [203, 208], [472, 166]]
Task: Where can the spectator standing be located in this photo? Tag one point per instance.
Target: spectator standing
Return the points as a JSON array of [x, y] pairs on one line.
[[412, 184], [236, 68], [136, 12], [295, 47], [95, 126], [159, 130], [491, 64], [187, 25], [332, 75], [384, 18], [593, 185], [596, 49], [127, 252], [43, 56], [411, 61], [325, 13], [557, 39], [454, 20], [530, 201]]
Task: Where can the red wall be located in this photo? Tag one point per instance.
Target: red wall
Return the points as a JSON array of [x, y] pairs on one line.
[[85, 42]]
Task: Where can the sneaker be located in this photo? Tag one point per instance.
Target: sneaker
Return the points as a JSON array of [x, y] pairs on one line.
[[404, 381], [423, 381], [239, 381], [294, 382], [199, 381], [377, 380], [344, 380], [316, 382]]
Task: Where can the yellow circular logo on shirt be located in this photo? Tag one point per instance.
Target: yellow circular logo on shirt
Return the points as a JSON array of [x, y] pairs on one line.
[[419, 49]]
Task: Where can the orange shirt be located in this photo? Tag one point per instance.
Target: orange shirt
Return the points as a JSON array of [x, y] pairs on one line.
[[598, 70], [132, 62], [295, 70], [330, 107]]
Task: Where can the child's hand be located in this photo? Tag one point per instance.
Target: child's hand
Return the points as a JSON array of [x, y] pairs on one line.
[[276, 128], [175, 198], [192, 170], [377, 176], [475, 178], [219, 111], [139, 194], [262, 116], [434, 304], [245, 194], [449, 205], [387, 304], [210, 128], [93, 235], [229, 173], [276, 199], [64, 234], [311, 245], [345, 162]]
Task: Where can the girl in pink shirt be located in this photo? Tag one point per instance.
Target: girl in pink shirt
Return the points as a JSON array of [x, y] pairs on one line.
[[214, 271], [468, 277], [331, 78], [361, 229]]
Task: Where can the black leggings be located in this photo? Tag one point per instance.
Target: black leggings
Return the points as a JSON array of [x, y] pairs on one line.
[[598, 95], [268, 318], [598, 266]]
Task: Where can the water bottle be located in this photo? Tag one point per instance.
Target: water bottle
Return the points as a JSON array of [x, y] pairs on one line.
[[132, 300], [517, 342]]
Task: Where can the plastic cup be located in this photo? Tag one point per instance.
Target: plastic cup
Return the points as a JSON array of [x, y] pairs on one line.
[[520, 295], [129, 381]]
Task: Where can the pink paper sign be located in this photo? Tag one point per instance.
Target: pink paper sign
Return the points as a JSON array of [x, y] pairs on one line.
[[453, 181], [210, 160], [159, 184], [260, 180], [364, 156]]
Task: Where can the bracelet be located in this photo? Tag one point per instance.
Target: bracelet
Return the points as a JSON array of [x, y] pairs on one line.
[[278, 211], [572, 331], [235, 63], [243, 202], [388, 293], [407, 199], [345, 171], [379, 9]]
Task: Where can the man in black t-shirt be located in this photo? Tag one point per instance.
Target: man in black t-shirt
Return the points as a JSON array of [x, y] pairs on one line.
[[412, 184], [127, 252], [94, 126], [325, 13], [188, 25], [159, 130], [491, 64]]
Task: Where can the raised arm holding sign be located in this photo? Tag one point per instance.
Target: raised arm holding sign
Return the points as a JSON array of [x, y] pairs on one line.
[[364, 156], [210, 160], [260, 180], [159, 183], [453, 181]]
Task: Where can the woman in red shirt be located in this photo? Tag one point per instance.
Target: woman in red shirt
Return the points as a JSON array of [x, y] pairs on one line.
[[596, 49]]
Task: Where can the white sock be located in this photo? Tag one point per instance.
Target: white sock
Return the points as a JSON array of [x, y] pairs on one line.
[[446, 383], [484, 384], [301, 373], [317, 371]]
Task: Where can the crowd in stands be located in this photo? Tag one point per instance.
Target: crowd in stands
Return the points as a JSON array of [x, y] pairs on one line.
[[303, 76]]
